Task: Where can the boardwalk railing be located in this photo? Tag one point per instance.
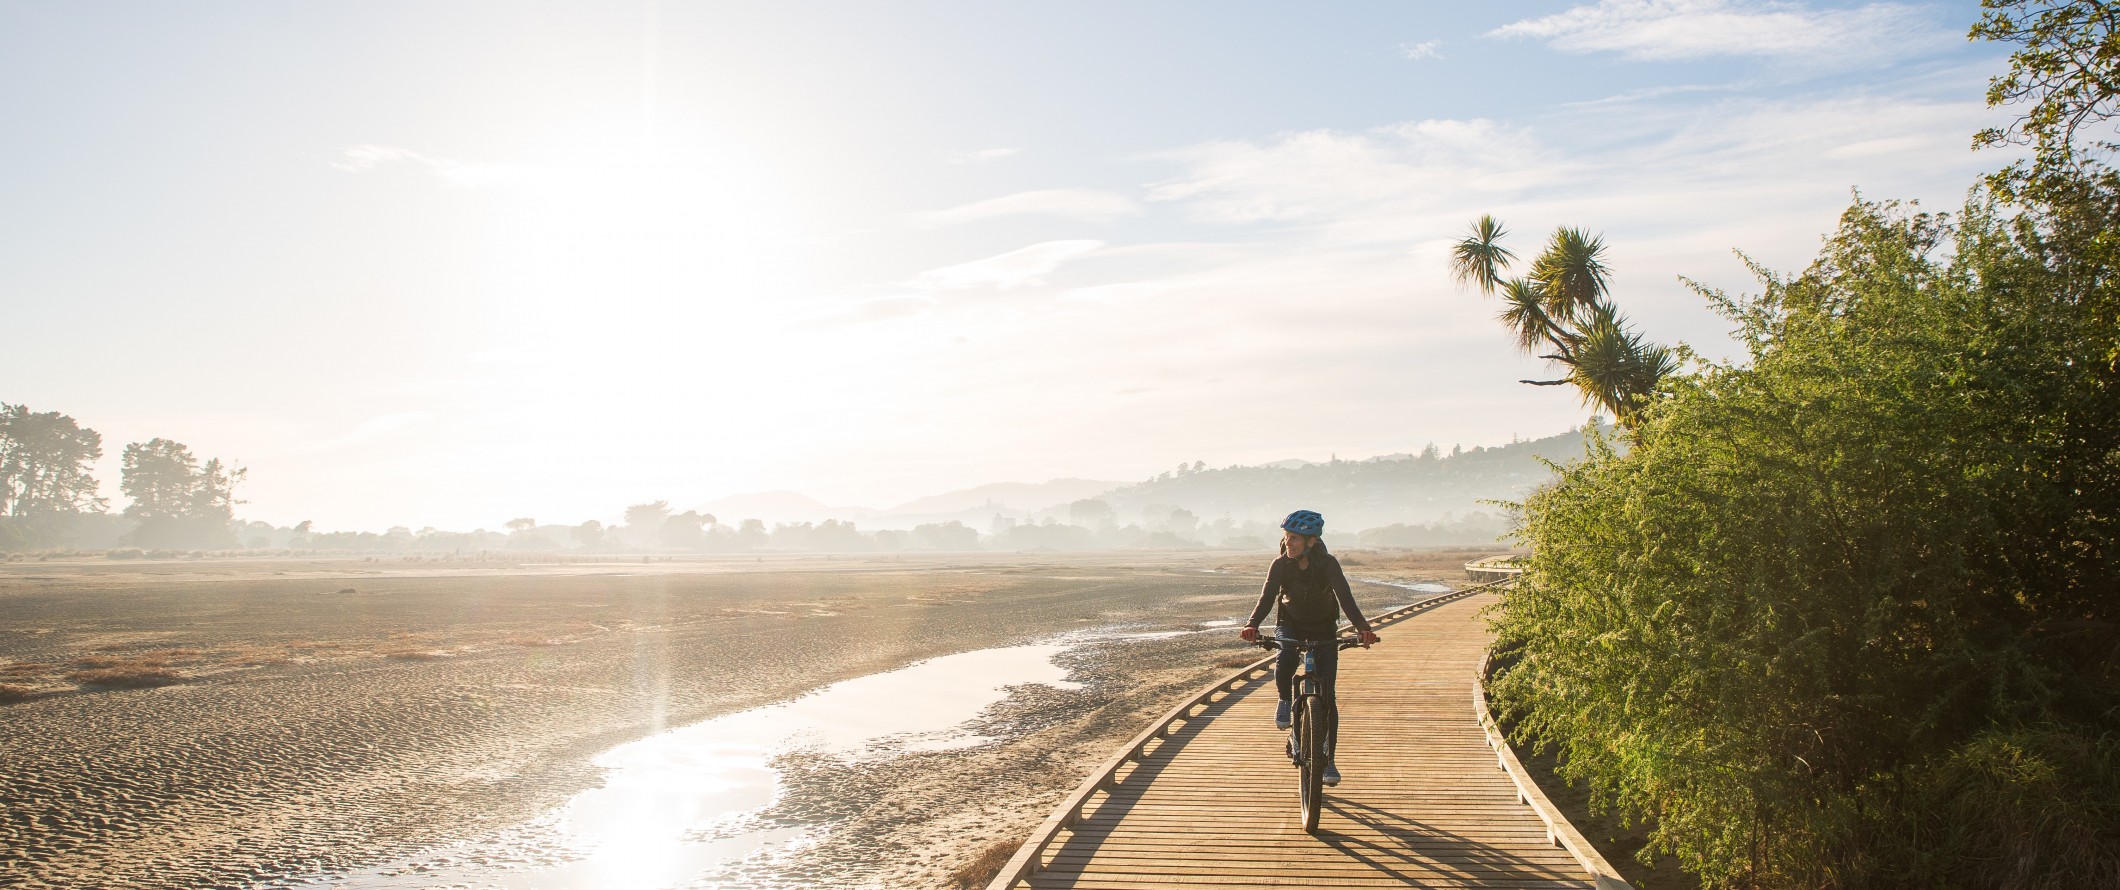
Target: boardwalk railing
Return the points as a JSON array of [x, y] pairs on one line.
[[1559, 831], [1493, 568], [1030, 857]]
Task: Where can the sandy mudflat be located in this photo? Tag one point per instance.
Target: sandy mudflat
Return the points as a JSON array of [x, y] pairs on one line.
[[326, 716]]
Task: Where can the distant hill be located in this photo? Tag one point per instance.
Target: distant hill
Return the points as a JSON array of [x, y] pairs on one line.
[[1354, 494], [771, 506], [1017, 496]]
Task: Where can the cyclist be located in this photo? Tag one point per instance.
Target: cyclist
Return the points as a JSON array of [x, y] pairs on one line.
[[1312, 592]]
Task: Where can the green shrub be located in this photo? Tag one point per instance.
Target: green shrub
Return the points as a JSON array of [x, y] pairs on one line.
[[1793, 626]]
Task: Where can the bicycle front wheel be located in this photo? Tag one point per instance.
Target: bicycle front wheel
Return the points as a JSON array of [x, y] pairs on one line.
[[1312, 730]]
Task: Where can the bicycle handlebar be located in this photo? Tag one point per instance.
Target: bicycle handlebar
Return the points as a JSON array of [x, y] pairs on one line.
[[1274, 643]]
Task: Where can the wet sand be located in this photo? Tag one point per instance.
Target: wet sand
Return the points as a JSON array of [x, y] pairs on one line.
[[323, 718]]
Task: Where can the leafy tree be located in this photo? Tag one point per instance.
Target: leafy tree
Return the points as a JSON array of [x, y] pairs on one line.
[[644, 522], [45, 460], [1847, 613], [684, 530], [836, 536], [589, 535], [951, 535], [161, 477], [523, 534], [179, 501], [1563, 307], [2067, 68], [1091, 513], [751, 534]]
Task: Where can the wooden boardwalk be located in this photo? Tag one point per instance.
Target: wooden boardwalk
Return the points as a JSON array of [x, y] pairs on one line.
[[1212, 801]]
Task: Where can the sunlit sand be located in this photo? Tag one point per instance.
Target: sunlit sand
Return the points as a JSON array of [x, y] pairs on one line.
[[397, 724]]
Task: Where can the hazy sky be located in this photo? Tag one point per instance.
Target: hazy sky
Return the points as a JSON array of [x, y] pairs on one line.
[[451, 263]]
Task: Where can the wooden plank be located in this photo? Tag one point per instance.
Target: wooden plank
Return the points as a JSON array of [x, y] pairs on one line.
[[1211, 802]]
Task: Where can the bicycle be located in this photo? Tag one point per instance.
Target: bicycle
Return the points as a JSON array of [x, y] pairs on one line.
[[1307, 726]]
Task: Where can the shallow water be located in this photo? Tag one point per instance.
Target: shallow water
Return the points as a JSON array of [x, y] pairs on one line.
[[680, 808]]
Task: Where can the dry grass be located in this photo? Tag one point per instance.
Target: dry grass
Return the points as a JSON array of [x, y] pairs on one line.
[[248, 656], [141, 669], [530, 640], [101, 661], [23, 668], [11, 693], [320, 645], [981, 870], [133, 676]]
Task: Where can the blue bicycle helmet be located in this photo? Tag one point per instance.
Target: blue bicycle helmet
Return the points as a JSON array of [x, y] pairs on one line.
[[1304, 522]]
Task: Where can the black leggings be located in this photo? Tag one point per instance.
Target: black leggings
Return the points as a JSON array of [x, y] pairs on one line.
[[1328, 672]]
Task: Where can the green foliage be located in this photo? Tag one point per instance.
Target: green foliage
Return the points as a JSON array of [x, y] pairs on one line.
[[1847, 612], [1480, 258], [2067, 68]]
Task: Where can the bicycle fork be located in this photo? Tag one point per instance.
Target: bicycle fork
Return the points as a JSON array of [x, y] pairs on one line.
[[1306, 696]]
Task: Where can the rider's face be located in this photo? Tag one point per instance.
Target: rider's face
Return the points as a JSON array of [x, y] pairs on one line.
[[1294, 543]]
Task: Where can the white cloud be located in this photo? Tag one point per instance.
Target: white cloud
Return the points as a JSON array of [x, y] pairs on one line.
[[1081, 204], [1691, 29], [364, 158], [1647, 93], [982, 156], [1357, 224], [1426, 49], [1319, 175], [1017, 268]]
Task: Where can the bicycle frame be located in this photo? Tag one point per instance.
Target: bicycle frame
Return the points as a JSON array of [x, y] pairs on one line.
[[1308, 735]]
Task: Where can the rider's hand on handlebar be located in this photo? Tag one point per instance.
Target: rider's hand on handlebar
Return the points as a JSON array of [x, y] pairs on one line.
[[1368, 638], [1248, 634]]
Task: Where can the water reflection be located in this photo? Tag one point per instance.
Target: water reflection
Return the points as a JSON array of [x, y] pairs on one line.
[[681, 805]]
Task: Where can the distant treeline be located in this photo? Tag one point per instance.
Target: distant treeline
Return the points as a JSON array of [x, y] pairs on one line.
[[48, 500], [653, 528], [1426, 487], [48, 496]]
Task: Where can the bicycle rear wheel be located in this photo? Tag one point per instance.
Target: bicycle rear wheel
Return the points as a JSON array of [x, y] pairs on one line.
[[1312, 730]]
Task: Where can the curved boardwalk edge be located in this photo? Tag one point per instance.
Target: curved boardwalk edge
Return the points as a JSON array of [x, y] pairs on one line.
[[1559, 830], [1030, 857]]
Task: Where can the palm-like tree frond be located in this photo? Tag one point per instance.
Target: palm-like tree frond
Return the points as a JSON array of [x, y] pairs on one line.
[[1571, 273], [1604, 365], [1615, 368], [1560, 312], [1479, 259], [1524, 313]]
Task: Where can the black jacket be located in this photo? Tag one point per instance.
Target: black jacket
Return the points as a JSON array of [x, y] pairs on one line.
[[1311, 601]]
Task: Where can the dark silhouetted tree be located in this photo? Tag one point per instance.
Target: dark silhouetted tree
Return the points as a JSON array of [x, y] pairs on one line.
[[45, 458], [178, 501]]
